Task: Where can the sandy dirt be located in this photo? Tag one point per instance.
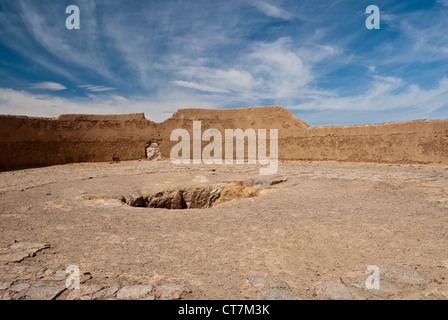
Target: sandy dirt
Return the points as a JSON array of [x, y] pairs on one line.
[[327, 222]]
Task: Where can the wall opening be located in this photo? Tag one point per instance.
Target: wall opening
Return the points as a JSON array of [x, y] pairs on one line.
[[153, 150]]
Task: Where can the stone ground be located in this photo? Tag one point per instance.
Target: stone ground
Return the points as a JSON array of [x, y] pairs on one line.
[[311, 236]]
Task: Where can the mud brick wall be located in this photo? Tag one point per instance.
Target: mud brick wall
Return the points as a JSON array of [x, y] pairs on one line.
[[423, 142], [70, 138], [26, 141]]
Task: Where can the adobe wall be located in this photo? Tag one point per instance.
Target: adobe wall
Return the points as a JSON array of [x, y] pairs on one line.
[[422, 141], [26, 141]]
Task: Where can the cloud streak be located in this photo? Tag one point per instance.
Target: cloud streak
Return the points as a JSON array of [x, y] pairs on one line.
[[51, 86], [93, 88], [271, 10], [386, 93]]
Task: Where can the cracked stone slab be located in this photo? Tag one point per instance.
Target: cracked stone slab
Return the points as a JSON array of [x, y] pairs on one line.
[[16, 252], [41, 291], [443, 294], [5, 296], [411, 296], [20, 287], [5, 285], [84, 292], [386, 289], [402, 275], [171, 291], [261, 283], [336, 291], [430, 291], [13, 273], [277, 294], [106, 293], [84, 298], [59, 275], [135, 292], [271, 288]]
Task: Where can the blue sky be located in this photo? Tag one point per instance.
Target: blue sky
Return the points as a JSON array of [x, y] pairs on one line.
[[316, 58]]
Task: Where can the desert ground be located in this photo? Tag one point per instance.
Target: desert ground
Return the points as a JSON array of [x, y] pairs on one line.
[[309, 232]]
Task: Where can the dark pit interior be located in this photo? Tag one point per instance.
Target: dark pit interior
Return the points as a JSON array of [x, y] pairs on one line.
[[199, 197]]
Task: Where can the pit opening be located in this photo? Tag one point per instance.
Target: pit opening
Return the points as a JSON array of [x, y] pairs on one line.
[[199, 197]]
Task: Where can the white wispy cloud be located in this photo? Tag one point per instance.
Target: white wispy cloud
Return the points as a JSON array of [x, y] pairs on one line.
[[420, 41], [200, 87], [94, 88], [385, 94], [51, 86], [266, 71], [215, 79], [19, 102], [443, 2], [279, 69], [271, 10], [59, 42]]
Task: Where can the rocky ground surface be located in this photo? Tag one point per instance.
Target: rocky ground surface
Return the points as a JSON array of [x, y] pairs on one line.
[[309, 232]]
